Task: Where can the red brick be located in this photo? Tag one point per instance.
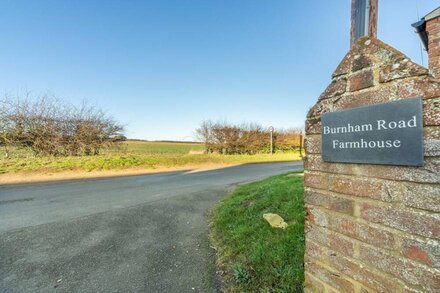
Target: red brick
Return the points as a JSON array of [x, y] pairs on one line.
[[354, 99], [402, 69], [417, 223], [431, 24], [426, 87], [313, 250], [330, 277], [432, 147], [321, 107], [316, 216], [408, 271], [360, 62], [312, 284], [366, 97], [429, 173], [313, 126], [315, 163], [350, 227], [431, 132], [366, 187], [312, 144], [316, 180], [363, 275], [341, 245], [432, 28], [336, 88], [387, 53], [332, 202], [426, 252], [433, 54], [373, 49], [434, 39], [376, 50], [351, 268], [431, 112], [329, 239], [344, 66], [361, 80], [347, 226], [415, 253], [423, 196], [363, 232]]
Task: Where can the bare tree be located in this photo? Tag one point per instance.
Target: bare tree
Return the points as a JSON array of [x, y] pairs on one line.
[[204, 134]]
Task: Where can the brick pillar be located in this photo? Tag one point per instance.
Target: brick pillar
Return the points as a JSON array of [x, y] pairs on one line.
[[373, 228], [433, 30]]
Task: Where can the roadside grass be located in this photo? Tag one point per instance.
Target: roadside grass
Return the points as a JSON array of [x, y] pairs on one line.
[[254, 256], [132, 154]]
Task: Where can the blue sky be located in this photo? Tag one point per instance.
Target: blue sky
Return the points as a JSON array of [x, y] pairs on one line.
[[162, 66]]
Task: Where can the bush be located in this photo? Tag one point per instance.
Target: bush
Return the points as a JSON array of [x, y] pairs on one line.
[[49, 126], [250, 138]]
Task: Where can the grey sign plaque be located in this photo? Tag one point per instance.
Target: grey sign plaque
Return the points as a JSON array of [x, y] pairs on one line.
[[388, 134]]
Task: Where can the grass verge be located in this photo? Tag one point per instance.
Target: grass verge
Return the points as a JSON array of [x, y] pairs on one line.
[[254, 256]]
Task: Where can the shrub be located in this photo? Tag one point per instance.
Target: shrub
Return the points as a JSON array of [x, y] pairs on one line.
[[247, 138], [49, 126]]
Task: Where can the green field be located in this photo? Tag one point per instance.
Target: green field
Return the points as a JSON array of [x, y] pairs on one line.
[[132, 154], [151, 148], [255, 256]]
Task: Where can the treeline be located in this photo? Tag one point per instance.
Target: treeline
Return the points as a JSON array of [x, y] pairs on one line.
[[246, 138], [49, 126]]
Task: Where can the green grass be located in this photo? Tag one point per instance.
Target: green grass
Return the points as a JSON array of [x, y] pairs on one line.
[[131, 154], [257, 257], [143, 147]]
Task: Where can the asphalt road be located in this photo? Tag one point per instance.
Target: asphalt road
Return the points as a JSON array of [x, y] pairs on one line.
[[143, 233]]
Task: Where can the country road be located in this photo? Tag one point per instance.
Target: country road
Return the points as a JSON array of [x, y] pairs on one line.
[[145, 233]]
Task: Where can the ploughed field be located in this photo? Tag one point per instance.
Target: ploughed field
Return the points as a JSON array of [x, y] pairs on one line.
[[132, 154]]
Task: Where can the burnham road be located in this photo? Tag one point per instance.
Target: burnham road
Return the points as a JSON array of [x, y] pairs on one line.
[[146, 233]]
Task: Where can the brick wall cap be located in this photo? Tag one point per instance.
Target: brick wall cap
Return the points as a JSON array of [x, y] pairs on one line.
[[373, 52]]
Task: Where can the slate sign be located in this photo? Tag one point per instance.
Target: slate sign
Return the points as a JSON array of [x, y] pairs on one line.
[[388, 134]]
